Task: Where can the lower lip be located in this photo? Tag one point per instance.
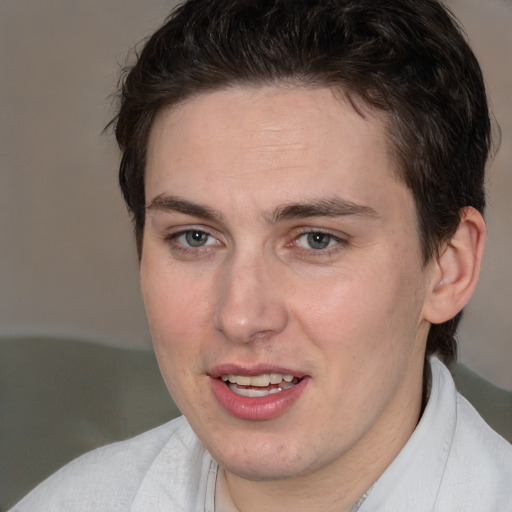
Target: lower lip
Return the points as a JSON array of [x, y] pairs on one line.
[[257, 408]]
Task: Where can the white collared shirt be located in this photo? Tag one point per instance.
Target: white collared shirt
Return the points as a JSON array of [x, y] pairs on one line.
[[453, 462]]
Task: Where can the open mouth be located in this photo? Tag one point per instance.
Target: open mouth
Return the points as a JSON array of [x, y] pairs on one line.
[[259, 385]]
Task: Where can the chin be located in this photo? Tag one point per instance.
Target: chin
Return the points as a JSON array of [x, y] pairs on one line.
[[261, 471], [267, 460]]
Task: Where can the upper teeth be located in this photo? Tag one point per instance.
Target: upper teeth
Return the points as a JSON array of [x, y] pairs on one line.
[[257, 380]]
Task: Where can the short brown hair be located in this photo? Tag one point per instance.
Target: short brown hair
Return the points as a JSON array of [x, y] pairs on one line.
[[408, 58]]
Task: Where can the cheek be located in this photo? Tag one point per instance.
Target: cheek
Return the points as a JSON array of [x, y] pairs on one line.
[[175, 301], [339, 306], [362, 312], [177, 312], [178, 316]]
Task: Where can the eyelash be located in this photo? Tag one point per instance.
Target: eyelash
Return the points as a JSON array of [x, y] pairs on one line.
[[187, 249], [339, 242]]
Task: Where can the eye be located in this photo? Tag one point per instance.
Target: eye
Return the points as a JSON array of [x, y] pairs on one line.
[[193, 238], [317, 241]]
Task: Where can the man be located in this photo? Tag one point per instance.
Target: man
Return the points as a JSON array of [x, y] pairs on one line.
[[306, 182]]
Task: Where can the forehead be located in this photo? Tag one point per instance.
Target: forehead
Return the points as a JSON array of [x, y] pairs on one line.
[[292, 108], [294, 140]]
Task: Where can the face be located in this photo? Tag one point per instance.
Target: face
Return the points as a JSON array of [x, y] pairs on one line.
[[282, 277]]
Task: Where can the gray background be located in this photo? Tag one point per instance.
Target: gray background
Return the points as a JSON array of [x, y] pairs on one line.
[[67, 260]]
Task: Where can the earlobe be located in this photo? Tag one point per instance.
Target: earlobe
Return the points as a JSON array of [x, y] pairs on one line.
[[457, 269]]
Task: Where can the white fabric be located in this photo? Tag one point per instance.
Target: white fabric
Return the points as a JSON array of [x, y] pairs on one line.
[[453, 462]]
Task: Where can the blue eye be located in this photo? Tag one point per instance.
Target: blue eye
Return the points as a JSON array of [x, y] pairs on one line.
[[317, 241], [194, 238]]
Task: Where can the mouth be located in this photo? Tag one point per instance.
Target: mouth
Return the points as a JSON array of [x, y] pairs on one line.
[[256, 386], [251, 393]]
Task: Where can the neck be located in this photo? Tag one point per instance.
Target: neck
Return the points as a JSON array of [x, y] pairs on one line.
[[300, 494]]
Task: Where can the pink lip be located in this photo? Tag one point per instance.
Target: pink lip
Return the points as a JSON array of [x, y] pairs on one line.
[[257, 408]]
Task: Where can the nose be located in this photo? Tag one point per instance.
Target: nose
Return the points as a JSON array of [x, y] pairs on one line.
[[250, 305]]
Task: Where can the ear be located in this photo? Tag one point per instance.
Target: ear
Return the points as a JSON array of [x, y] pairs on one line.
[[456, 270]]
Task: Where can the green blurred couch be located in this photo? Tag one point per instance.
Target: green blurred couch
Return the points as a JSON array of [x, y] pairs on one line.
[[60, 398]]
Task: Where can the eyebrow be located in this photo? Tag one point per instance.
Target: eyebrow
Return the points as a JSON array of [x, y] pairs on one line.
[[334, 207], [169, 204]]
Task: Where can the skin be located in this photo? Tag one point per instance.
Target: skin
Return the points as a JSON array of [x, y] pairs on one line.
[[352, 316]]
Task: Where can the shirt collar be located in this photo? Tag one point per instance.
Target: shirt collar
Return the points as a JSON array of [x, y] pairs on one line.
[[413, 479]]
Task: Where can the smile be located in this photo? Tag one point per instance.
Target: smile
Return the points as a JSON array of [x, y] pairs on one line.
[[258, 396], [259, 385]]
